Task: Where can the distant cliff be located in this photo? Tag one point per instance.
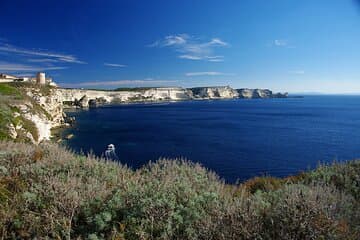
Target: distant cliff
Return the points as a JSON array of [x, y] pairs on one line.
[[225, 92], [86, 98], [259, 93]]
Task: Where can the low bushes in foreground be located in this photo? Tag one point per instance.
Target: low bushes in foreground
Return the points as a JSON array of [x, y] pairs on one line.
[[48, 192]]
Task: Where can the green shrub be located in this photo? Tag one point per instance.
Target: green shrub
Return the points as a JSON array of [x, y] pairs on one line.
[[264, 184], [302, 212], [345, 177], [49, 192], [7, 89], [5, 119]]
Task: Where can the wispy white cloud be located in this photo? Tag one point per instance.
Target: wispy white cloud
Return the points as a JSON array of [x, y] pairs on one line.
[[171, 40], [297, 72], [115, 65], [192, 48], [174, 40], [67, 58], [22, 74], [194, 74], [207, 58], [11, 67], [218, 41], [119, 83], [215, 58], [280, 42], [191, 57], [42, 60]]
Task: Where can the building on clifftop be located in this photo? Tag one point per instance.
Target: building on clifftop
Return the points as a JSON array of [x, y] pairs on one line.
[[40, 79]]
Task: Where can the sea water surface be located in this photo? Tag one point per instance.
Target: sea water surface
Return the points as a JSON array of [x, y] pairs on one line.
[[237, 139]]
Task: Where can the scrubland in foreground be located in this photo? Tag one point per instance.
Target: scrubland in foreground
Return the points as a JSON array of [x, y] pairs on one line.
[[48, 192]]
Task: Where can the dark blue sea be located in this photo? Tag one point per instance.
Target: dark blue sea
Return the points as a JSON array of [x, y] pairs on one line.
[[237, 139]]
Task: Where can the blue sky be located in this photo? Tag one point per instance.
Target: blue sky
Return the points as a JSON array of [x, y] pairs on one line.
[[284, 45]]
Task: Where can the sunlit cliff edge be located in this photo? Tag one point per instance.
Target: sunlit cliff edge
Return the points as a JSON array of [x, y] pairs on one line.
[[84, 97]]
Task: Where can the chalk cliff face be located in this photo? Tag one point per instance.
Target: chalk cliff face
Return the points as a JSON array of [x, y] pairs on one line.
[[36, 114], [259, 93], [152, 94], [83, 98], [45, 110], [52, 104], [214, 92], [51, 116]]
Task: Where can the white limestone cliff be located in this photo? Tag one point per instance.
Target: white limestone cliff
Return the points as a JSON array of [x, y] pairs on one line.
[[45, 110], [37, 115], [259, 93], [151, 94], [82, 97], [214, 92]]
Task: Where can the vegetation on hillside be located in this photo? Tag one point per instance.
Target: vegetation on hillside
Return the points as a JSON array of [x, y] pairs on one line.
[[45, 90], [13, 95], [9, 96], [48, 192]]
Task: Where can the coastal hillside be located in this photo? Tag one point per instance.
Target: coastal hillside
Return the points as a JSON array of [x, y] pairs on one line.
[[29, 111], [47, 192]]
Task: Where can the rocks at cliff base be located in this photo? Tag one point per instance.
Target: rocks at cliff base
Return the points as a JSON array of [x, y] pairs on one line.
[[83, 102], [92, 103], [69, 136], [97, 101], [69, 120], [228, 92], [282, 95]]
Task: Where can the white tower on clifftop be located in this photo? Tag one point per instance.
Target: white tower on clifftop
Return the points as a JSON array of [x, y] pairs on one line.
[[40, 78]]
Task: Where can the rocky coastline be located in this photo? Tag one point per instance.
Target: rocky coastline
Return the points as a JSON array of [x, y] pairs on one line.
[[91, 98], [41, 108]]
